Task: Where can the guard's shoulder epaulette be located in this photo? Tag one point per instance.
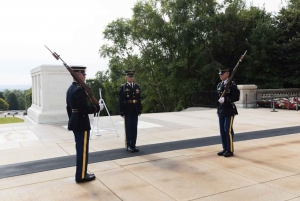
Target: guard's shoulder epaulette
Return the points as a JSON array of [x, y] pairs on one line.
[[78, 85]]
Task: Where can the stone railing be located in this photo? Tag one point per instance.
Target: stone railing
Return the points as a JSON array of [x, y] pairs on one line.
[[263, 94], [279, 98], [250, 96]]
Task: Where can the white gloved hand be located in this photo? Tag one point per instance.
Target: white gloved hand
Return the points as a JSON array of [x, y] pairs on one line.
[[221, 100], [101, 106]]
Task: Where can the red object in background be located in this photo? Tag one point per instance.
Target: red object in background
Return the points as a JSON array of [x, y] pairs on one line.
[[282, 103]]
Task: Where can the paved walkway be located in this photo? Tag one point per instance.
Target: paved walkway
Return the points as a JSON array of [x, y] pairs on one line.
[[267, 168]]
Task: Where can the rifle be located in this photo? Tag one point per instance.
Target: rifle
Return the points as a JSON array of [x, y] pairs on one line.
[[232, 74], [75, 76]]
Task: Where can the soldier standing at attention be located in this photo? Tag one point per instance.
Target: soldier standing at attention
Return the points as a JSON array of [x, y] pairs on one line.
[[130, 109], [226, 110], [78, 110]]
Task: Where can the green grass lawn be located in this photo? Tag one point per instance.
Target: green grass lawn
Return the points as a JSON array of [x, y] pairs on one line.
[[8, 120]]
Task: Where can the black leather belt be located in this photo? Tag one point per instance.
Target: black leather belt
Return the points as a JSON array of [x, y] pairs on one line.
[[132, 101]]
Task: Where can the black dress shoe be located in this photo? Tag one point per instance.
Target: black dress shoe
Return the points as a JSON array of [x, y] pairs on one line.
[[221, 153], [228, 154], [88, 177], [136, 149], [129, 149]]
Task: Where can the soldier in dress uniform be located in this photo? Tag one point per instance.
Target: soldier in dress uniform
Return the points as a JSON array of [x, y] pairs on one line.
[[78, 110], [226, 111], [130, 109]]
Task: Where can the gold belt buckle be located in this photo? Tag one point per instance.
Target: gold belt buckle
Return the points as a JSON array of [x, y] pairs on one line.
[[134, 101]]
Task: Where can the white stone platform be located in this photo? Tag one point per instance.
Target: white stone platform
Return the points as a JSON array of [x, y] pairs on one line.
[[262, 169]]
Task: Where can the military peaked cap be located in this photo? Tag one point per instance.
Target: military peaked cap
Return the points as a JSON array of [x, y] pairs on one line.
[[130, 73], [79, 69], [223, 70]]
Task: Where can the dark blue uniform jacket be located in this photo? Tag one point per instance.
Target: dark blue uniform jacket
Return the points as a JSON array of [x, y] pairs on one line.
[[228, 108], [78, 109], [128, 95]]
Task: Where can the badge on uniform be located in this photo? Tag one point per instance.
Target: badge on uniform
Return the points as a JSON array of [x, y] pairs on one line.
[[127, 95], [127, 89], [137, 91]]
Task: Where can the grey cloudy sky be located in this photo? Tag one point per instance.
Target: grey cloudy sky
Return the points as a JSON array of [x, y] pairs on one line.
[[72, 28]]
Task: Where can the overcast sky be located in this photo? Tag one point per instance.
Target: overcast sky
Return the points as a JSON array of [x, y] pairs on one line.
[[71, 28]]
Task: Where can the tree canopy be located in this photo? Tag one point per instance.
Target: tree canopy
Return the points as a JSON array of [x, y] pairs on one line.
[[176, 48], [3, 104], [13, 101]]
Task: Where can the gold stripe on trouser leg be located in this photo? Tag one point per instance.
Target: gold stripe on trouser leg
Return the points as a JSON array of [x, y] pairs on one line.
[[84, 154], [230, 134], [125, 133]]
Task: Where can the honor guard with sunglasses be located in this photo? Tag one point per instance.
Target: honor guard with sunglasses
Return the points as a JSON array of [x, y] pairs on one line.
[[130, 109], [78, 110], [226, 110]]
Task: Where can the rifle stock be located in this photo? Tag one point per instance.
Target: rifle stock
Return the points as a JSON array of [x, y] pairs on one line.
[[232, 74], [75, 76]]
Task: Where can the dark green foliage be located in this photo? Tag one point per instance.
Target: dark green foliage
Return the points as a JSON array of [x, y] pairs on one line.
[[176, 48], [28, 98], [12, 101], [21, 102], [3, 105], [288, 42], [1, 95]]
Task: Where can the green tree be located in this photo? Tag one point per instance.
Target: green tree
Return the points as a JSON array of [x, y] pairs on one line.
[[165, 43], [176, 46], [260, 66], [3, 104], [12, 101], [1, 95], [289, 44], [21, 102], [28, 98], [6, 92]]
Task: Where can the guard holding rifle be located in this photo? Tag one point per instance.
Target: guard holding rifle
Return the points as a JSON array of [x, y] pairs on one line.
[[130, 109], [78, 110], [226, 111]]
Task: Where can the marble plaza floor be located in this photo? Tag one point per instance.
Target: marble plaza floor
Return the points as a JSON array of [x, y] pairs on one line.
[[266, 165]]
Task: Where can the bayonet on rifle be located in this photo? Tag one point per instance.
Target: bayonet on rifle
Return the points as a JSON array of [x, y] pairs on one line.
[[232, 74]]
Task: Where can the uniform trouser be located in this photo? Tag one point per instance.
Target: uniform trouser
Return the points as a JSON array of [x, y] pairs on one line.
[[82, 153], [226, 132], [131, 123]]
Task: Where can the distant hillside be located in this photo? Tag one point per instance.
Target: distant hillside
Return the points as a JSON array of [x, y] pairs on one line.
[[17, 87]]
